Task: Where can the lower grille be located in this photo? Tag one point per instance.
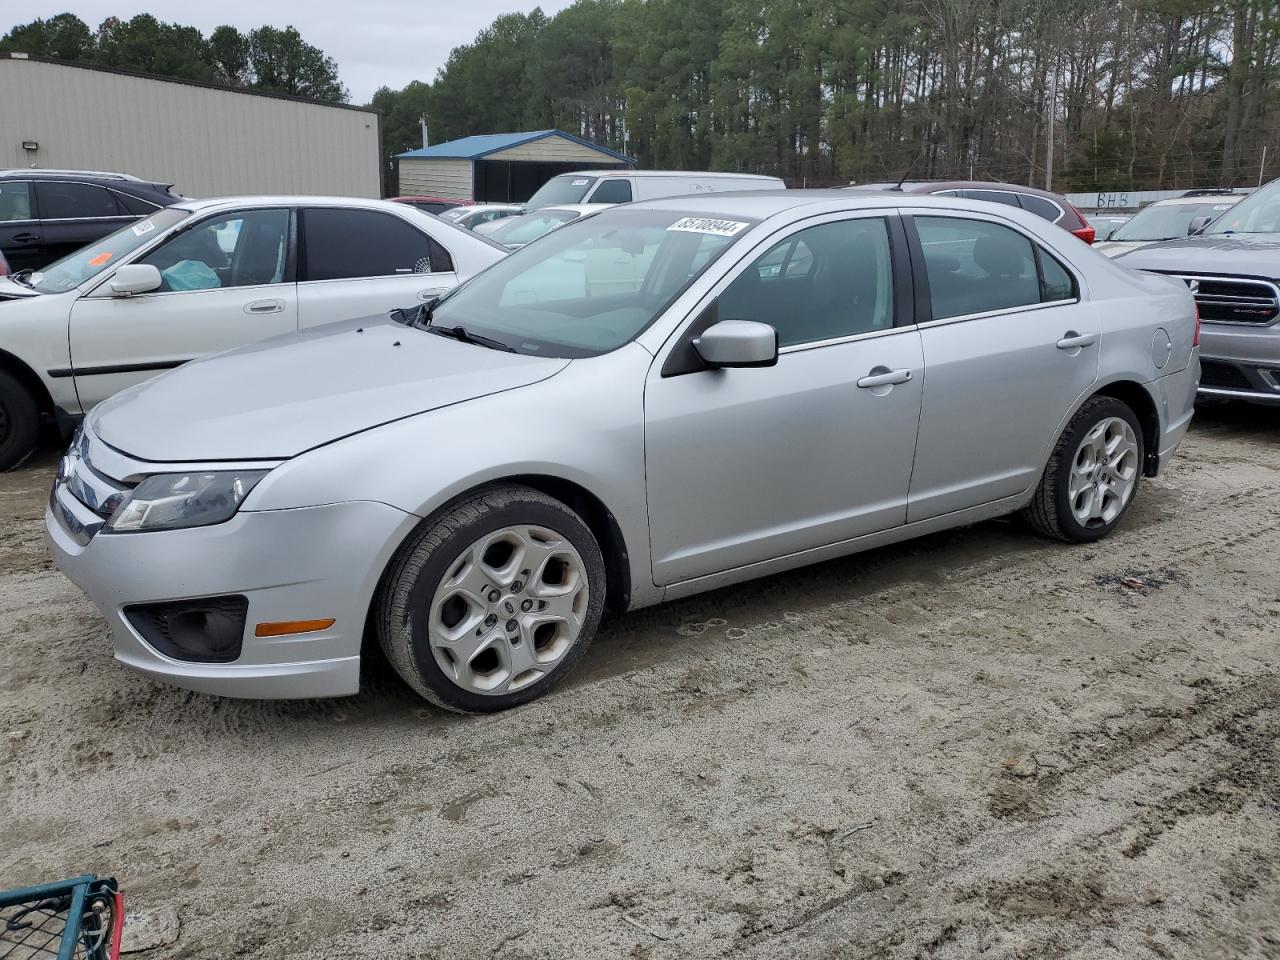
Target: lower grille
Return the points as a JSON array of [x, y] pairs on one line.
[[1215, 374], [208, 630]]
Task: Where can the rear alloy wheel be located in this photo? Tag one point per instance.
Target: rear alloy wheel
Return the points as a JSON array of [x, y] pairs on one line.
[[1092, 475], [493, 601], [19, 422]]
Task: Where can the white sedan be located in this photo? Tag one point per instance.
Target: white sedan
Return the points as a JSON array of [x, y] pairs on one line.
[[203, 276]]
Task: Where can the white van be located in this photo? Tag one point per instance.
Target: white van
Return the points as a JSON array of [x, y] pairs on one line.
[[623, 186]]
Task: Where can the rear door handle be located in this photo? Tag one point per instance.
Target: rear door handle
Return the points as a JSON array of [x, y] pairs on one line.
[[1074, 341], [884, 378], [25, 237], [264, 306]]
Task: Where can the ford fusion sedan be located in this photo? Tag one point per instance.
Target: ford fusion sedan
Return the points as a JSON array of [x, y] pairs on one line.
[[774, 380], [1232, 267], [202, 276]]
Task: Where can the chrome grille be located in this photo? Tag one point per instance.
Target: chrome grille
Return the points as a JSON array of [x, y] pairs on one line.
[[83, 499], [1234, 299]]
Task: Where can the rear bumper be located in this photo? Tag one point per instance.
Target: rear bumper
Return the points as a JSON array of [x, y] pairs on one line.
[[310, 563], [1176, 396]]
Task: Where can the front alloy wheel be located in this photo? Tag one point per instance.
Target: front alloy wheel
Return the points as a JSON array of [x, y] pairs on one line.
[[492, 600]]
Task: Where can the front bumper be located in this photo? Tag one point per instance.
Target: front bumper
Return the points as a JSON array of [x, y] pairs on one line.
[[309, 563], [1241, 362]]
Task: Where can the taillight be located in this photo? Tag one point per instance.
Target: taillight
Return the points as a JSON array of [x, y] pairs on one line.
[[1086, 232], [1195, 338]]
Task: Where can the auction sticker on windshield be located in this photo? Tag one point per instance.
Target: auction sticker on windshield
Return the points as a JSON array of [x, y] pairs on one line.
[[143, 228], [718, 228]]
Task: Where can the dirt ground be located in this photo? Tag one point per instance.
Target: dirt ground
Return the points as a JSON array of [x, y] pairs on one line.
[[976, 744]]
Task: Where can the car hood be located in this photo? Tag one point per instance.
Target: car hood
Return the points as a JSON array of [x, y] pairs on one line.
[[12, 290], [1113, 248], [279, 397], [1256, 255]]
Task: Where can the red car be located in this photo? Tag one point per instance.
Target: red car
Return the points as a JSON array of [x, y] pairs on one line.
[[432, 204], [1051, 206]]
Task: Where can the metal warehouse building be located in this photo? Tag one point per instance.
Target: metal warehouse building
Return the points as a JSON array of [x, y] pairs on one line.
[[207, 140], [499, 167]]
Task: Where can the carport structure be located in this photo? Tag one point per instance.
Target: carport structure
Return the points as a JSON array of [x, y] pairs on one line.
[[499, 167]]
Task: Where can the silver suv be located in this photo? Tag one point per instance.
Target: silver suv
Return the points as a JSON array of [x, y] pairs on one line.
[[1233, 270], [661, 399]]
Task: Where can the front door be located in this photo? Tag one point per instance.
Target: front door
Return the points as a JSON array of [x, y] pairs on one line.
[[356, 263], [227, 281], [1009, 347], [747, 465]]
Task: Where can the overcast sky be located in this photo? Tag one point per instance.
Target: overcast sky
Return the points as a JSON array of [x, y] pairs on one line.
[[375, 42]]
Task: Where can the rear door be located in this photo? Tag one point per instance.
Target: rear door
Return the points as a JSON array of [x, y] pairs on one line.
[[353, 263], [228, 280], [73, 214], [20, 236], [1009, 347]]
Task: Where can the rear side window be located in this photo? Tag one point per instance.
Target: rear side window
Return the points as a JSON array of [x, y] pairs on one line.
[[1056, 281], [975, 266], [136, 205], [15, 200], [343, 244], [1041, 207], [613, 191], [991, 196], [71, 201]]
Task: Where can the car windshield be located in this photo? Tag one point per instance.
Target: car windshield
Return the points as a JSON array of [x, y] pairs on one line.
[[89, 261], [564, 189], [1168, 221], [1257, 213], [518, 231], [591, 286], [455, 213]]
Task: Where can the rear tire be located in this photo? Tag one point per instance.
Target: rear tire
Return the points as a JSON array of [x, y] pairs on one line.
[[19, 422], [1092, 476], [491, 602]]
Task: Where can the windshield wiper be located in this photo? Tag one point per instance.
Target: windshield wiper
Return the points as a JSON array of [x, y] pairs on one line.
[[463, 335], [22, 277]]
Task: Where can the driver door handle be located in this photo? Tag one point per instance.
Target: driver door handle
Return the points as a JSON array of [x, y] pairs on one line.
[[886, 379], [265, 306], [1074, 341]]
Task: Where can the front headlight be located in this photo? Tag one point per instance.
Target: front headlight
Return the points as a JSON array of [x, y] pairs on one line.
[[171, 501]]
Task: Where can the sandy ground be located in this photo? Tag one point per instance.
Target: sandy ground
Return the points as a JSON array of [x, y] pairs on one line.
[[977, 744]]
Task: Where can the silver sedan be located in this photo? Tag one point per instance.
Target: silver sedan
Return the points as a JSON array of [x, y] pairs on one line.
[[658, 400]]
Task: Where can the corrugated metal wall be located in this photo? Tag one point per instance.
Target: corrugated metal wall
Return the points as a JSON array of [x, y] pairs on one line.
[[554, 150], [435, 178], [207, 142]]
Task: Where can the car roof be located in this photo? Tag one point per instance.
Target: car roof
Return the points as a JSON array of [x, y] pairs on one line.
[[699, 174], [73, 174], [924, 186], [211, 203]]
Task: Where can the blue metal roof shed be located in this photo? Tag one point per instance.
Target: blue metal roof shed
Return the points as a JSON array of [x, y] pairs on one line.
[[499, 167]]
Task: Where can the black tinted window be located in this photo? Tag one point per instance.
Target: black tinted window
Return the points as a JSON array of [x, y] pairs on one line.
[[66, 201], [991, 196], [342, 244], [613, 191], [975, 266], [135, 205], [829, 281], [1041, 207]]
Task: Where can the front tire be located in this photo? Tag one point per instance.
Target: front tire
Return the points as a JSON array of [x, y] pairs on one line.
[[1092, 475], [19, 422], [492, 601]]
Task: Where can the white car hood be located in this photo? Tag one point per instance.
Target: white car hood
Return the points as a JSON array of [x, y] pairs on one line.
[[277, 398], [11, 290]]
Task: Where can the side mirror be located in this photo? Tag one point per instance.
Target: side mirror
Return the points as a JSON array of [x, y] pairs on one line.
[[738, 343], [135, 278], [1197, 224]]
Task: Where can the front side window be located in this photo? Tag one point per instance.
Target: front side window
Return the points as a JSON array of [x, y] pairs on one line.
[[829, 281], [15, 200], [615, 190], [243, 249], [74, 201], [343, 244], [974, 266], [89, 261], [590, 286]]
